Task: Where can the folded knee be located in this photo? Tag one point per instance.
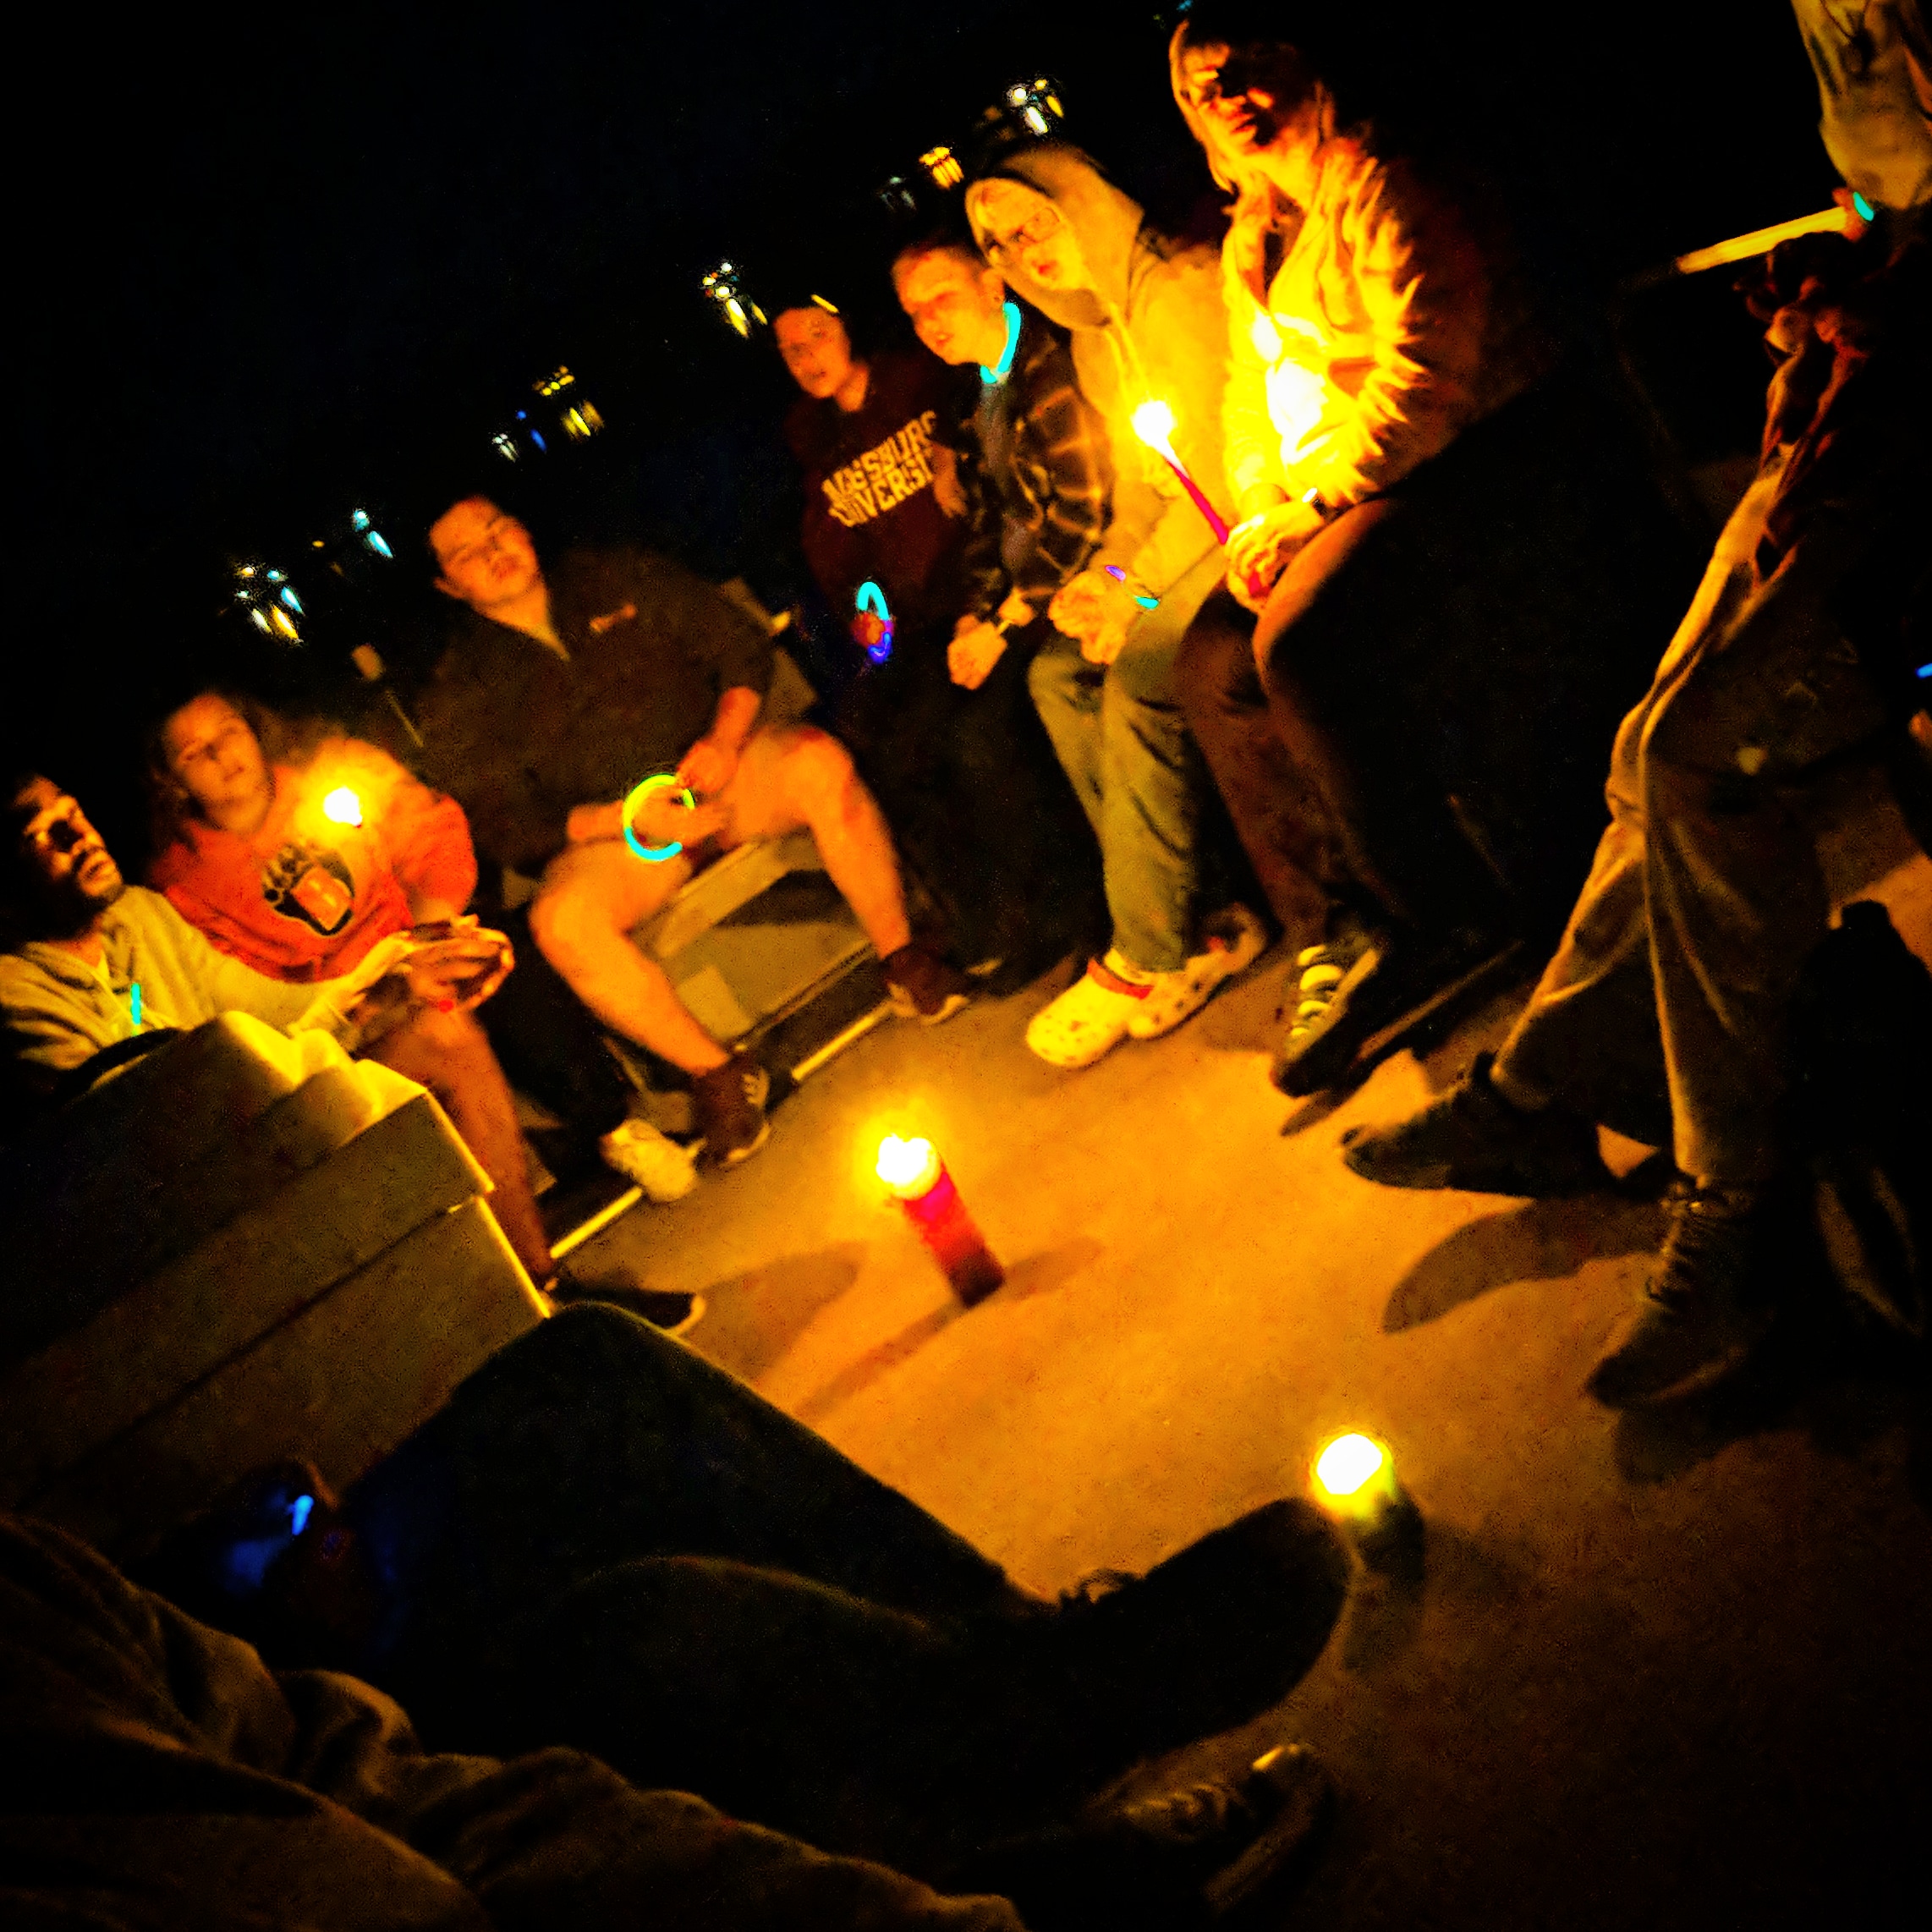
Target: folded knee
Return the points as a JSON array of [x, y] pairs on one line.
[[818, 768]]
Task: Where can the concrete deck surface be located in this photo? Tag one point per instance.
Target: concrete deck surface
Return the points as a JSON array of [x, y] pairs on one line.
[[1662, 1673]]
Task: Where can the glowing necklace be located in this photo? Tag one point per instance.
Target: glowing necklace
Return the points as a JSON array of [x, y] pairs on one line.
[[995, 375]]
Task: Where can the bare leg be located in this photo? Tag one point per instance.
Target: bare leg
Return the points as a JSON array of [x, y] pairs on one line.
[[448, 1054], [797, 775], [592, 895]]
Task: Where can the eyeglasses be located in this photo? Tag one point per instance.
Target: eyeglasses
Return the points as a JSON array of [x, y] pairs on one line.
[[1043, 223]]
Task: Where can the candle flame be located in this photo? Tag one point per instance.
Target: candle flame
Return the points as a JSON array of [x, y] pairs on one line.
[[1348, 1463], [343, 807], [907, 1168], [1154, 424]]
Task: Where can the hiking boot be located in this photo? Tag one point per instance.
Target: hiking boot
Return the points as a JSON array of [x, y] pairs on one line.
[[922, 986], [1207, 1639], [1090, 1019], [1184, 1858], [1232, 941], [663, 1308], [1472, 1137], [1696, 1323], [637, 1151], [1352, 986], [729, 1103]]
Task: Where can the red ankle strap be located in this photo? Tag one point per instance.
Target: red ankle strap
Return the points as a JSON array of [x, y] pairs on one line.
[[1098, 970]]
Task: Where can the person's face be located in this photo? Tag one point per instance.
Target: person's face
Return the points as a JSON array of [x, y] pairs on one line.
[[955, 308], [216, 759], [1026, 230], [816, 350], [69, 872], [483, 558], [1234, 94]]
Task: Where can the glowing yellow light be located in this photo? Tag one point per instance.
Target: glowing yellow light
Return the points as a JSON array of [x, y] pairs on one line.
[[1348, 1464], [284, 623], [343, 807], [735, 310], [943, 166], [1034, 119], [1154, 424], [907, 1168], [830, 308]]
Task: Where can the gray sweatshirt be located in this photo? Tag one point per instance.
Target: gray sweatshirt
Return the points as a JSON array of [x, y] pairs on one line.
[[57, 1011]]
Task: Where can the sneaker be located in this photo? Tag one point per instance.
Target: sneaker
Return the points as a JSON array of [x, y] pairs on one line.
[[637, 1151], [922, 986], [1090, 1019], [663, 1308], [1352, 987], [1238, 1833], [1208, 1638], [1472, 1137], [1234, 940], [1184, 1857], [1696, 1323], [728, 1103]]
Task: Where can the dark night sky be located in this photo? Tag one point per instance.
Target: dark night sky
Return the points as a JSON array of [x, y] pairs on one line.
[[264, 263]]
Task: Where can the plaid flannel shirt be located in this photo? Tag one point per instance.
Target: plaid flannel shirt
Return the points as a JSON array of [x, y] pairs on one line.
[[1047, 480]]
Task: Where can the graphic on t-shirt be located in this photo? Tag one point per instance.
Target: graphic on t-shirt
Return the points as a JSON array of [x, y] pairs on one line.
[[309, 883], [885, 476]]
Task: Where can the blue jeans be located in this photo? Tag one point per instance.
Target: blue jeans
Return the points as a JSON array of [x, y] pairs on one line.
[[1123, 741]]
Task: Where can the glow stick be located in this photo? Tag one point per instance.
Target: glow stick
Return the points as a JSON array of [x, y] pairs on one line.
[[1154, 424], [657, 782]]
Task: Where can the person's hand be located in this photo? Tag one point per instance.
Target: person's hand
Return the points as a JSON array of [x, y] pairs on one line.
[[1014, 611], [459, 970], [709, 766], [976, 649], [1098, 610], [868, 626], [1258, 550], [664, 819]]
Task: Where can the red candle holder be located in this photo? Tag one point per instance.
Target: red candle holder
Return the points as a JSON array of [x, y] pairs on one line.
[[917, 1178]]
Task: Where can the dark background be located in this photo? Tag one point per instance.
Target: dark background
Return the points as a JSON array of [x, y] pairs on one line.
[[275, 268]]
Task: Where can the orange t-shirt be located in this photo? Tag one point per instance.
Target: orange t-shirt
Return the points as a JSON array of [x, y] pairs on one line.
[[306, 897]]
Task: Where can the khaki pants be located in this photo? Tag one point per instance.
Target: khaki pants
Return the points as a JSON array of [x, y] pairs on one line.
[[1707, 896]]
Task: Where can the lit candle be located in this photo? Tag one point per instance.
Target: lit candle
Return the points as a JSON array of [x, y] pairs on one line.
[[1154, 424], [343, 807], [916, 1176], [1355, 1482]]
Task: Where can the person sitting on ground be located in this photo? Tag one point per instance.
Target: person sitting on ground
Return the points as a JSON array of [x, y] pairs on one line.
[[966, 779], [1145, 320], [566, 687], [1673, 988], [254, 854], [161, 1774], [1450, 603], [92, 963], [604, 1542]]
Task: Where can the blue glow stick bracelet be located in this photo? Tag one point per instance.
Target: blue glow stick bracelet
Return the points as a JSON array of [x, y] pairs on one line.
[[657, 782]]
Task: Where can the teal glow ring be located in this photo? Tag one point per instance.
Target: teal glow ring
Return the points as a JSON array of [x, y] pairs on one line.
[[657, 782]]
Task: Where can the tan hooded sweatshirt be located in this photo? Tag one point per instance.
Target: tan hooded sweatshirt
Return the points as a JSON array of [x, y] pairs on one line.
[[1151, 329]]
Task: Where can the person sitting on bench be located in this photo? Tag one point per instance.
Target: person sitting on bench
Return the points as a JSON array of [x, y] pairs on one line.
[[565, 688]]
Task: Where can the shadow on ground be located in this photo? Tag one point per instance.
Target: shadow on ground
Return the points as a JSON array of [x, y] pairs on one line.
[[752, 1319], [1541, 1241]]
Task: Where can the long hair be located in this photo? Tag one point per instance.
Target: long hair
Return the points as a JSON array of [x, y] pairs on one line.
[[282, 740], [1258, 211]]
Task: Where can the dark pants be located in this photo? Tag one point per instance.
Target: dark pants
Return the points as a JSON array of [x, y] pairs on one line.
[[548, 1043], [1436, 672], [604, 1542], [974, 795]]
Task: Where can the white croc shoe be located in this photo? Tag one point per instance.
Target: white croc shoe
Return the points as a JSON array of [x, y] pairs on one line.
[[1232, 941], [1089, 1020], [637, 1151]]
